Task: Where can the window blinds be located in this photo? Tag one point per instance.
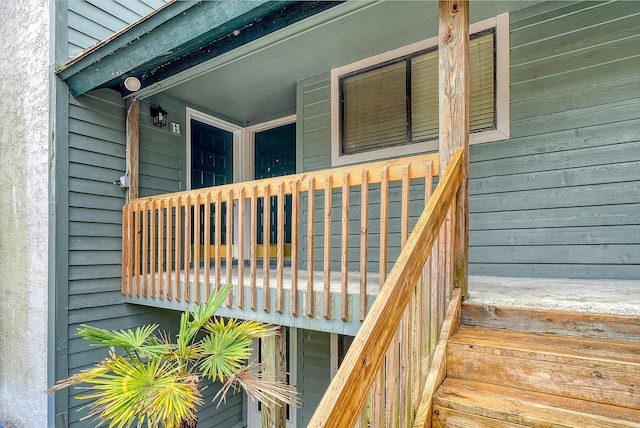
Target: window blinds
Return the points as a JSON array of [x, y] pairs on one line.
[[398, 103]]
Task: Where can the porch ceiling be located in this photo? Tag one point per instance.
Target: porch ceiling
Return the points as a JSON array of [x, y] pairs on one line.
[[258, 81]]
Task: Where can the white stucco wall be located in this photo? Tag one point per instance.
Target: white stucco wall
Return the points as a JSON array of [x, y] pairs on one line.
[[24, 123]]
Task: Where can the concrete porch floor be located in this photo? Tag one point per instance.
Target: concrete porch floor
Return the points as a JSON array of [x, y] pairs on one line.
[[581, 295]]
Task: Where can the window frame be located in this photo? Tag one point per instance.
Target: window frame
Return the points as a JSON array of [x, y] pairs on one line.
[[499, 23]]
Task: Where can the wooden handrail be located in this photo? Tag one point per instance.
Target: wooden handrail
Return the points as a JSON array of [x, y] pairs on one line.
[[342, 404], [175, 246]]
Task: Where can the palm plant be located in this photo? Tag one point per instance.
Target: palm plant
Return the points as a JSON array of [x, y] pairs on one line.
[[157, 382]]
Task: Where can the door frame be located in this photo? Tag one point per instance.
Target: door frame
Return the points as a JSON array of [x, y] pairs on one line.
[[235, 130], [250, 142]]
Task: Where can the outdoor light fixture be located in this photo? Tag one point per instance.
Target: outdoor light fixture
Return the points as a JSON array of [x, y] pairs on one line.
[[159, 116], [132, 84]]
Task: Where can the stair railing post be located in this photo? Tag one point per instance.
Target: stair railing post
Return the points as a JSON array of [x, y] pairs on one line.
[[453, 18]]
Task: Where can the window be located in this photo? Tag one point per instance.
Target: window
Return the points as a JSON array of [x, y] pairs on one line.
[[388, 105]]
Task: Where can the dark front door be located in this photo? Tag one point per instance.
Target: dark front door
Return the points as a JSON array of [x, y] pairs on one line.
[[211, 165], [275, 155]]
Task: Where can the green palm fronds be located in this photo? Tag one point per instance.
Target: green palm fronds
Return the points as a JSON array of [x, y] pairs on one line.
[[154, 392], [224, 353], [126, 339], [156, 381]]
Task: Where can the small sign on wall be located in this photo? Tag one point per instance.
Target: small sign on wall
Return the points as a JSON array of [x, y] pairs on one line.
[[175, 128]]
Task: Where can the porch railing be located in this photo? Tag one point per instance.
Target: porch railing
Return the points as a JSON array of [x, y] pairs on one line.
[[381, 380], [180, 246]]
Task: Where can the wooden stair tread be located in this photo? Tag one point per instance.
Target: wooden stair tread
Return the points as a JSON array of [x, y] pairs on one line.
[[580, 368], [603, 326], [468, 403], [611, 354]]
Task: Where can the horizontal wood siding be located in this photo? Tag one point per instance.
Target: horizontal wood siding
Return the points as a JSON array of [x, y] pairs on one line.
[[561, 198], [162, 153], [96, 159], [314, 371], [91, 21]]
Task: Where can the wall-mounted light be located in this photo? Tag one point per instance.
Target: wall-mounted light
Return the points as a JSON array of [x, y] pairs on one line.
[[159, 116]]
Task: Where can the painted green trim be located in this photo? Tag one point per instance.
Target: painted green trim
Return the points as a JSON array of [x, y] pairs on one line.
[[174, 37], [58, 261]]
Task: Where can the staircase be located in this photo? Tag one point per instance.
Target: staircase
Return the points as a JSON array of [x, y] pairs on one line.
[[498, 377]]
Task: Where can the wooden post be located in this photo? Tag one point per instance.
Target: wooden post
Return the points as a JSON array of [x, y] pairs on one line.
[[453, 17], [133, 152], [274, 367]]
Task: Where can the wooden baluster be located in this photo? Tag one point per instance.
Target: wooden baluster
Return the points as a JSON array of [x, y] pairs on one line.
[[170, 241], [295, 203], [310, 248], [207, 244], [344, 298], [280, 255], [364, 241], [406, 344], [218, 238], [254, 246], [377, 398], [241, 226], [145, 249], [384, 221], [266, 244], [229, 246], [196, 247], [137, 255], [160, 270], [125, 250], [188, 239], [327, 246], [179, 244]]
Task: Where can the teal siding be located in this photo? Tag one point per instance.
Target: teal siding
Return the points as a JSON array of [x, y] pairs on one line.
[[561, 198], [91, 21], [314, 371]]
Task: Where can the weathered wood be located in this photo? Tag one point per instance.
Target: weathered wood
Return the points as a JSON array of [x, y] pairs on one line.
[[266, 262], [207, 245], [439, 363], [364, 241], [229, 247], [274, 368], [126, 250], [254, 246], [591, 379], [344, 256], [327, 246], [196, 247], [384, 222], [503, 405], [177, 259], [160, 256], [295, 212], [169, 290], [280, 251], [187, 249], [453, 51], [241, 227], [218, 238], [602, 326], [346, 395], [133, 148], [145, 248], [310, 245]]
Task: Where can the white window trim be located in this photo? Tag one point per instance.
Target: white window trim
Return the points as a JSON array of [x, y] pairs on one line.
[[502, 131], [236, 130]]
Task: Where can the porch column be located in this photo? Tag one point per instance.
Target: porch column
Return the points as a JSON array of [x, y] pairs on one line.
[[274, 367], [453, 18], [133, 153]]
